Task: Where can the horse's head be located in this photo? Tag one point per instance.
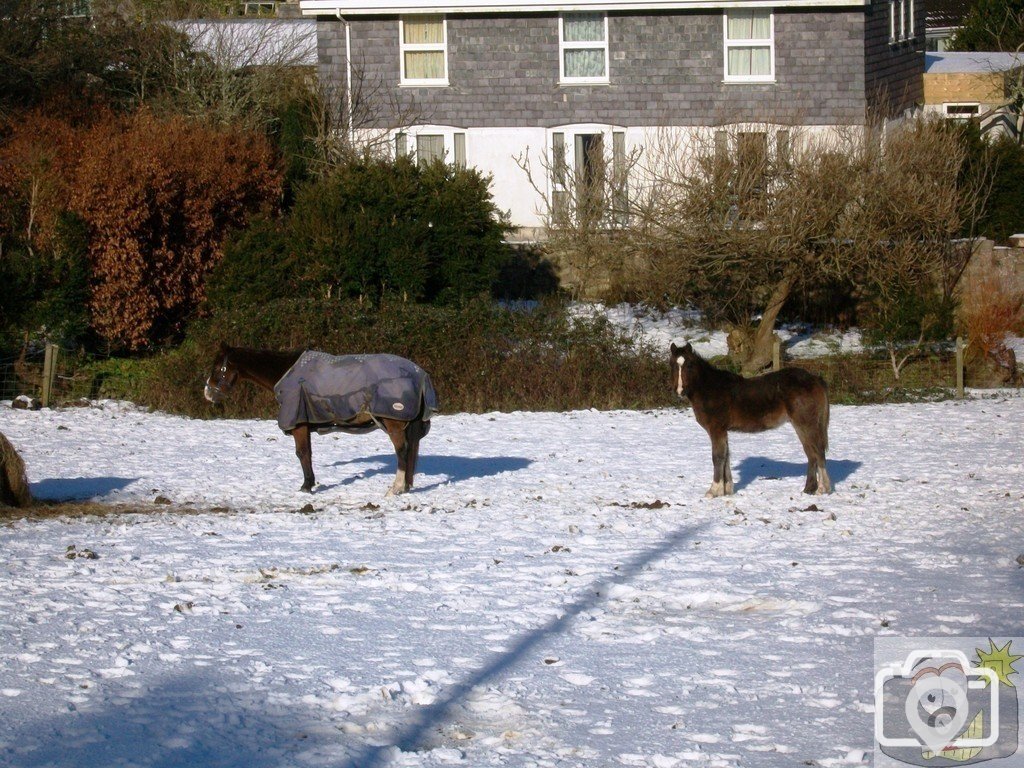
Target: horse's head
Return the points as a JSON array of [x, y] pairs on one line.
[[683, 361], [223, 375]]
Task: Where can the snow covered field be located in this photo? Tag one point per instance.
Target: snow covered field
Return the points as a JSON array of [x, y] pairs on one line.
[[556, 592]]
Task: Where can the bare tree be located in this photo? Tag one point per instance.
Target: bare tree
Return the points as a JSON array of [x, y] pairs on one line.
[[733, 224], [585, 207], [357, 122], [241, 71], [734, 219]]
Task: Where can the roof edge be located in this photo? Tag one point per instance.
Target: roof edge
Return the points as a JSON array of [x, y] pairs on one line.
[[408, 7]]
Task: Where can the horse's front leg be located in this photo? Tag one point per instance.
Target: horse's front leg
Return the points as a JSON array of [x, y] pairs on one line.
[[722, 484], [396, 431], [304, 450]]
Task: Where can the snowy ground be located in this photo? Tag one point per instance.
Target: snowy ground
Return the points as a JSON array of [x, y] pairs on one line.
[[556, 592]]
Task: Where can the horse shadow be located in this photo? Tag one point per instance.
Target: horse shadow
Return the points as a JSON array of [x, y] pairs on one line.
[[77, 488], [453, 468], [752, 468]]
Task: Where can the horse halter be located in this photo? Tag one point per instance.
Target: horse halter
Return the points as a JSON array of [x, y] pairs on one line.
[[215, 392]]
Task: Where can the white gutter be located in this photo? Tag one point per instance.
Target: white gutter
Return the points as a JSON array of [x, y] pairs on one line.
[[348, 75], [399, 7]]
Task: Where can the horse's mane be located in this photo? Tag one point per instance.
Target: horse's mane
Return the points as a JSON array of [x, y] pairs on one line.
[[264, 366], [268, 355], [707, 371]]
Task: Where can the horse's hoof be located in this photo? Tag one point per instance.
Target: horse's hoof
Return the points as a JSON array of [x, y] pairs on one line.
[[306, 489], [716, 490]]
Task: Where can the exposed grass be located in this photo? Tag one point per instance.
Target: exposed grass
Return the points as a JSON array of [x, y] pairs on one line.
[[47, 510]]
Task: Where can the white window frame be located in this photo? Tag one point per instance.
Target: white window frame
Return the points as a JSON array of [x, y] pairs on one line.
[[727, 44], [449, 132], [563, 46], [901, 21], [607, 131], [961, 115], [404, 48]]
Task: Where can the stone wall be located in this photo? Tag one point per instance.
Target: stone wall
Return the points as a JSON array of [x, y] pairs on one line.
[[1006, 262]]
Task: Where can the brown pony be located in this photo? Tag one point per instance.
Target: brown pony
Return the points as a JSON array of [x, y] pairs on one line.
[[266, 369], [724, 401]]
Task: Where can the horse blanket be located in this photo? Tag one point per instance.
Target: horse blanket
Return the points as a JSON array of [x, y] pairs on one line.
[[330, 391]]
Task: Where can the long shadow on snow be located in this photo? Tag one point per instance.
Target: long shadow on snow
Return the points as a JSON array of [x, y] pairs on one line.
[[77, 488], [412, 737], [456, 468], [754, 467], [182, 722]]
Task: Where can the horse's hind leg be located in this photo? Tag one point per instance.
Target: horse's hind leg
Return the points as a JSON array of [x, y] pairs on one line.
[[397, 432], [727, 469], [304, 450], [814, 444], [413, 433], [722, 484]]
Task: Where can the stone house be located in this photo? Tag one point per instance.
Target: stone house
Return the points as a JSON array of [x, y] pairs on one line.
[[548, 84]]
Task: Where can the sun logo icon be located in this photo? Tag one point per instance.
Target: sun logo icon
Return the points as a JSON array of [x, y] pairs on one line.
[[999, 660]]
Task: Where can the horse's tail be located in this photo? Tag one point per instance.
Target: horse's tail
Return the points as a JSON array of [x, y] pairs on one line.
[[420, 426]]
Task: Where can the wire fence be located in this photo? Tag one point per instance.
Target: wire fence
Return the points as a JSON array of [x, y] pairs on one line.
[[50, 376]]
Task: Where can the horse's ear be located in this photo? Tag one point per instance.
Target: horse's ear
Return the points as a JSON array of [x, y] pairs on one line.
[[687, 351], [674, 350]]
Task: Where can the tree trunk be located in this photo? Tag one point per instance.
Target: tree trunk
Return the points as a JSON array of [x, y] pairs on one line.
[[756, 353]]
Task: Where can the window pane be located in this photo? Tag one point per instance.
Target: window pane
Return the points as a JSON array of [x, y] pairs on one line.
[[750, 62], [761, 25], [426, 30], [424, 65], [583, 27], [749, 25], [558, 158], [740, 25], [739, 61], [584, 63], [760, 62], [460, 150], [429, 149]]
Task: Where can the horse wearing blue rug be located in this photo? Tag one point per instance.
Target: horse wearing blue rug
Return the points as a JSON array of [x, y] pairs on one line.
[[317, 392]]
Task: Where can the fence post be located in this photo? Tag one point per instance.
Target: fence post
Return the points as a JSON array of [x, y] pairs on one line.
[[777, 355], [49, 368], [960, 367]]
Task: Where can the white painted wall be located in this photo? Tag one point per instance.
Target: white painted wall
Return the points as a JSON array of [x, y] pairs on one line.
[[495, 151]]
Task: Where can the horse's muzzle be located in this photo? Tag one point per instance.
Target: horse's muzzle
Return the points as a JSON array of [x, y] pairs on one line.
[[212, 394]]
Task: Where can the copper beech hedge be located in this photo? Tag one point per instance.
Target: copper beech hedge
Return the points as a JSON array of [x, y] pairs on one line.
[[157, 195]]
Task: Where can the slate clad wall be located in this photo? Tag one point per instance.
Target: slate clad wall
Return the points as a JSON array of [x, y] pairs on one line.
[[666, 69], [894, 74]]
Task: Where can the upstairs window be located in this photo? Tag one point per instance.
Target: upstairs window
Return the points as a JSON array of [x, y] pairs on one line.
[[901, 21], [424, 51], [583, 48], [749, 46]]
